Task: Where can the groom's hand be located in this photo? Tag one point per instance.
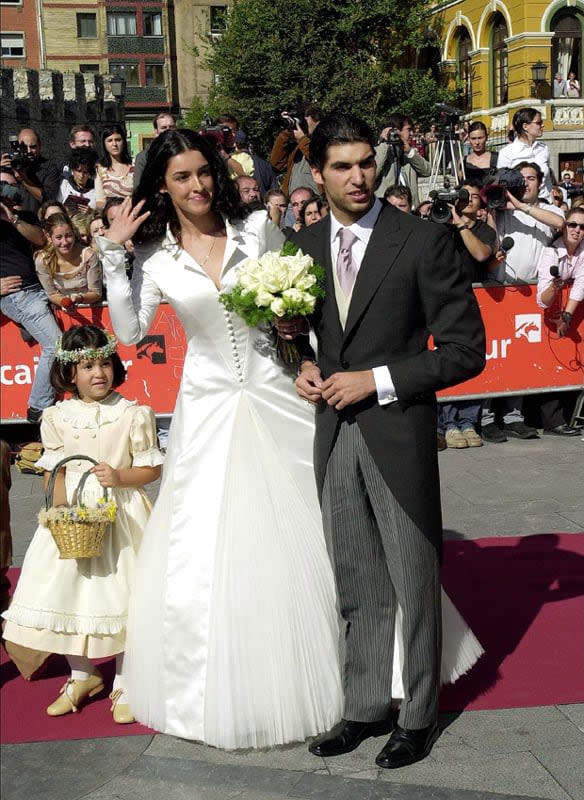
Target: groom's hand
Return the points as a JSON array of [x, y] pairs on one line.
[[345, 388], [309, 382]]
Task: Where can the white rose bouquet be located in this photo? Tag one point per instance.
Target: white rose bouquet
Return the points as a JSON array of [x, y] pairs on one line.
[[276, 285]]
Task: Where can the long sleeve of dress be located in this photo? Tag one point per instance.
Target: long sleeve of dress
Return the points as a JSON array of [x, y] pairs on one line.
[[132, 305]]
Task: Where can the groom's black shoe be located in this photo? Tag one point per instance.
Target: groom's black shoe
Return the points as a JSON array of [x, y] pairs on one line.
[[347, 736], [406, 746]]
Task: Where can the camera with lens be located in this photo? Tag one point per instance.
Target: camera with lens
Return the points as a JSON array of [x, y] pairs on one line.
[[10, 194], [19, 156], [290, 120], [494, 193], [219, 135], [442, 199], [392, 137]]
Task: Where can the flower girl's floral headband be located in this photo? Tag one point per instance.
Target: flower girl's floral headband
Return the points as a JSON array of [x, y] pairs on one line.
[[86, 353]]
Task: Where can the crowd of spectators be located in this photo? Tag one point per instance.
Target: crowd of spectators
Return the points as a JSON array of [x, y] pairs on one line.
[[51, 213]]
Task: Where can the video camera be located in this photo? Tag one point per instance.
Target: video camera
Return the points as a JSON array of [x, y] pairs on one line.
[[449, 116], [220, 135], [442, 199], [494, 193], [10, 194], [19, 156]]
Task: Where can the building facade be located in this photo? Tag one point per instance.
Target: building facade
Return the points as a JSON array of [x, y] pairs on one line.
[[134, 40], [195, 20], [19, 34], [504, 54]]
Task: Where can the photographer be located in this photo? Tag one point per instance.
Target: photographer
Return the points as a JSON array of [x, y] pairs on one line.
[[476, 242], [22, 298], [529, 221], [290, 150], [397, 161], [224, 132], [37, 176]]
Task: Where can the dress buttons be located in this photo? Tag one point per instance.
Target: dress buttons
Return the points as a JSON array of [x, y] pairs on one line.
[[76, 436], [345, 364]]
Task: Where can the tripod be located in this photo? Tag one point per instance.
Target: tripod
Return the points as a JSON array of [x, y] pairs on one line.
[[448, 154]]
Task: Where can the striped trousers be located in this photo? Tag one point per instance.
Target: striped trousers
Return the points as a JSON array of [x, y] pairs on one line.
[[381, 560]]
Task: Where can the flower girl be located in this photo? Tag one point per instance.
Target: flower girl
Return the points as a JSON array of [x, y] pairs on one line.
[[78, 607]]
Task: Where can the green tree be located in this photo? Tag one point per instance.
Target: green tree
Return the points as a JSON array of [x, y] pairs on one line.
[[340, 54]]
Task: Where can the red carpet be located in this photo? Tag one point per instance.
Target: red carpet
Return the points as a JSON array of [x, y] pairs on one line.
[[522, 596], [524, 599]]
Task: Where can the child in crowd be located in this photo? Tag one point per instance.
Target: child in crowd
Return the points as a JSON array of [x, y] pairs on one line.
[[69, 272], [78, 607]]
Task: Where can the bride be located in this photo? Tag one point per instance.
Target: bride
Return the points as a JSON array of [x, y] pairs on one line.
[[232, 631]]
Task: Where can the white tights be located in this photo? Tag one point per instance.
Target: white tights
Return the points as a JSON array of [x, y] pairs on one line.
[[82, 669]]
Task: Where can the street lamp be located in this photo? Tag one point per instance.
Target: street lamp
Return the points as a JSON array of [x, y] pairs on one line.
[[538, 71], [118, 89]]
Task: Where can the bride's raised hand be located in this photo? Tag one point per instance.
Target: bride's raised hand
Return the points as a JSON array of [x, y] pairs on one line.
[[126, 222]]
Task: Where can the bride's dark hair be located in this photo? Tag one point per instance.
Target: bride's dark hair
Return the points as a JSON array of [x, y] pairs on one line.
[[170, 143]]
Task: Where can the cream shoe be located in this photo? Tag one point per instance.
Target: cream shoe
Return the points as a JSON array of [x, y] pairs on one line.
[[74, 693], [120, 711]]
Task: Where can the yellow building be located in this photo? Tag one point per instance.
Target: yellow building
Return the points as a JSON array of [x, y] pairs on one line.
[[503, 55], [194, 21]]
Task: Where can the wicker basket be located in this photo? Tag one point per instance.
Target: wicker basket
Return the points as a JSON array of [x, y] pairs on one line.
[[75, 538]]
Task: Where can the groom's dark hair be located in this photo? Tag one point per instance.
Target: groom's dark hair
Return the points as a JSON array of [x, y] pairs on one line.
[[337, 129]]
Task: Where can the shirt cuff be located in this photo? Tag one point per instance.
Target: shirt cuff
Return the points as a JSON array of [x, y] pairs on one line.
[[384, 386]]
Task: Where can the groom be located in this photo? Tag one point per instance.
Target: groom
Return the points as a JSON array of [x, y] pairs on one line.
[[392, 280]]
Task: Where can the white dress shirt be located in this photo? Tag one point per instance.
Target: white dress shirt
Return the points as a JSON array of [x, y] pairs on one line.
[[362, 229]]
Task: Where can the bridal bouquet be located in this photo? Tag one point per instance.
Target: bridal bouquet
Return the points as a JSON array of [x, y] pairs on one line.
[[276, 285]]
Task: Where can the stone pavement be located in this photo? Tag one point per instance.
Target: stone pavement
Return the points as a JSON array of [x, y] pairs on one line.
[[497, 490]]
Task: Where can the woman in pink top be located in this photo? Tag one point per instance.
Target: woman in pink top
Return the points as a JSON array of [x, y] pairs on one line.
[[566, 257]]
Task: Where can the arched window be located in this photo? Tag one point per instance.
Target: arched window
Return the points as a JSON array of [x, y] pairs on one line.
[[463, 68], [567, 48], [499, 63]]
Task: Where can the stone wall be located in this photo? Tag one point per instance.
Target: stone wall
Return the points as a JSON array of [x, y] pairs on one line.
[[51, 102]]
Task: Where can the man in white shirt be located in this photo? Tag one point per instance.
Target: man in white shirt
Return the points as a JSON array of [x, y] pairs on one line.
[[530, 223]]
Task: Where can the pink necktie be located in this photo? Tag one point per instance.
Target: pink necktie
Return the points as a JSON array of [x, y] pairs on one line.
[[346, 267]]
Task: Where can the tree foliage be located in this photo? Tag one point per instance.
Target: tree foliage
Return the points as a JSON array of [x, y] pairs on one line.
[[340, 54]]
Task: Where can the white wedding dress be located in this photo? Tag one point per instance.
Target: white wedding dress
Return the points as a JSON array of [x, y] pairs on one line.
[[233, 633]]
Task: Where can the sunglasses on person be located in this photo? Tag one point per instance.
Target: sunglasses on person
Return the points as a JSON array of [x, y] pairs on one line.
[[575, 225]]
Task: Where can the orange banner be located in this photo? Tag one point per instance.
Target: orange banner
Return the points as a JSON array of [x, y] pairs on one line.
[[524, 354]]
